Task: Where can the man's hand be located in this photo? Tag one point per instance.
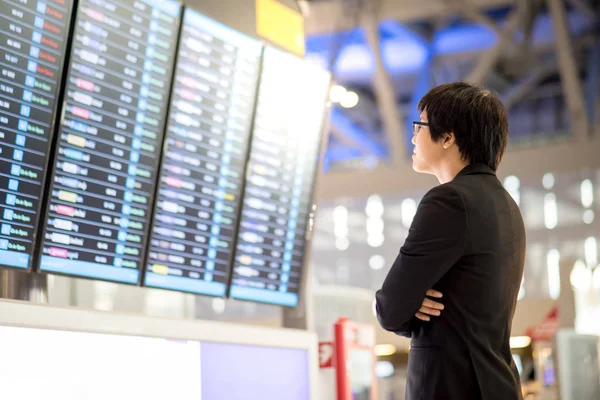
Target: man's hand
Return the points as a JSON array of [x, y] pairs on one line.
[[430, 307]]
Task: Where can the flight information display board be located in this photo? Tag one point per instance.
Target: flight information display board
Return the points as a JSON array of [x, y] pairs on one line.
[[284, 154], [33, 37], [117, 91], [205, 153]]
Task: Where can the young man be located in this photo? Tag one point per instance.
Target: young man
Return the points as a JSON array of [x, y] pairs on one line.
[[467, 242]]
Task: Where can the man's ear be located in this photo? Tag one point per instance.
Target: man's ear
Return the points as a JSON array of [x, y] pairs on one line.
[[448, 140]]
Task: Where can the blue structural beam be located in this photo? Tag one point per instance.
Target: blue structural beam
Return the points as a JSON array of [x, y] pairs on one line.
[[343, 153], [337, 154], [340, 123], [400, 31], [404, 52]]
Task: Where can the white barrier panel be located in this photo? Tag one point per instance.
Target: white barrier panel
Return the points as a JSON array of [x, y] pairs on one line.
[[64, 354]]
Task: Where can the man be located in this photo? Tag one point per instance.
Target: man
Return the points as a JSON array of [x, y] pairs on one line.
[[467, 242]]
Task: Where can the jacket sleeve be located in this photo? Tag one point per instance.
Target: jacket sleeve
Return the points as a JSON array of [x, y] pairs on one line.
[[435, 242]]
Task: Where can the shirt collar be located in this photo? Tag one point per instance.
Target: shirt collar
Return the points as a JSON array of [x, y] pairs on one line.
[[476, 168]]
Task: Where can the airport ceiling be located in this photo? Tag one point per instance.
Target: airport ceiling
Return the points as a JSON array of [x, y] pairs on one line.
[[326, 16]]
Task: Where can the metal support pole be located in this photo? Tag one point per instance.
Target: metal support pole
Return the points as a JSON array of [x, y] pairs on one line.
[[516, 92], [487, 61], [471, 12], [384, 92], [585, 8], [569, 72], [17, 285]]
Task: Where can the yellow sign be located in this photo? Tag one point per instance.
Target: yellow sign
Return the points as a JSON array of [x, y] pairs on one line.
[[280, 25]]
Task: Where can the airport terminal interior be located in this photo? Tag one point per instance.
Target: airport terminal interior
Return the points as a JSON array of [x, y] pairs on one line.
[[199, 198]]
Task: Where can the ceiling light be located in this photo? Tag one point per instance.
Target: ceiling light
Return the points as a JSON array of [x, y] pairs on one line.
[[519, 342], [374, 206], [548, 181], [513, 187], [340, 215], [588, 216], [550, 211], [337, 93], [349, 100], [375, 240], [384, 369], [581, 276], [376, 262], [591, 251], [375, 226], [587, 193], [382, 350], [511, 183], [408, 209], [342, 243]]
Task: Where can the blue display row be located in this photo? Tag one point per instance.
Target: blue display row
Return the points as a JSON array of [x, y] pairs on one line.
[[184, 157]]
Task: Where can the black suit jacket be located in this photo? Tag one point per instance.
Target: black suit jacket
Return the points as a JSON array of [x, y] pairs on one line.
[[467, 240]]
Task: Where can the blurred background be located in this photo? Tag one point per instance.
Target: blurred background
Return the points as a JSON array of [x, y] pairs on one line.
[[543, 60]]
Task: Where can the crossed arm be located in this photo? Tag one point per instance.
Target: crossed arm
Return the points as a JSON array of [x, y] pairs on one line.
[[435, 242]]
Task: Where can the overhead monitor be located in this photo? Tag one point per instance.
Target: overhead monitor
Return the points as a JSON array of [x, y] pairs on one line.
[[33, 36], [204, 158], [117, 91], [282, 165]]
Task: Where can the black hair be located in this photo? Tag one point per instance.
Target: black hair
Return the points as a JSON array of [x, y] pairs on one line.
[[476, 117]]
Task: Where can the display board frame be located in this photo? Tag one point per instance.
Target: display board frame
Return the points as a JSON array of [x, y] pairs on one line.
[[321, 151], [238, 203], [51, 143], [36, 266]]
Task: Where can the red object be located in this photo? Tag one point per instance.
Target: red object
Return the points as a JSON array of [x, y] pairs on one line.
[[65, 210], [326, 354], [58, 252], [355, 361], [546, 329]]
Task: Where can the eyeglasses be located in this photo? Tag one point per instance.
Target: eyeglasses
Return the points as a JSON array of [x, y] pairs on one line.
[[417, 126]]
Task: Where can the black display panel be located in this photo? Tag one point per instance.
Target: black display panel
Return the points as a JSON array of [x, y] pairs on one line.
[[277, 200], [33, 36], [205, 153], [108, 145]]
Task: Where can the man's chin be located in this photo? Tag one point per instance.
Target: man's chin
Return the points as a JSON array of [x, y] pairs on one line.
[[421, 169], [416, 167]]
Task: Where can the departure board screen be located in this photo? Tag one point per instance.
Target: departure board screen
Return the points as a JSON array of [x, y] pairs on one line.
[[117, 91], [204, 158], [33, 37], [277, 200]]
